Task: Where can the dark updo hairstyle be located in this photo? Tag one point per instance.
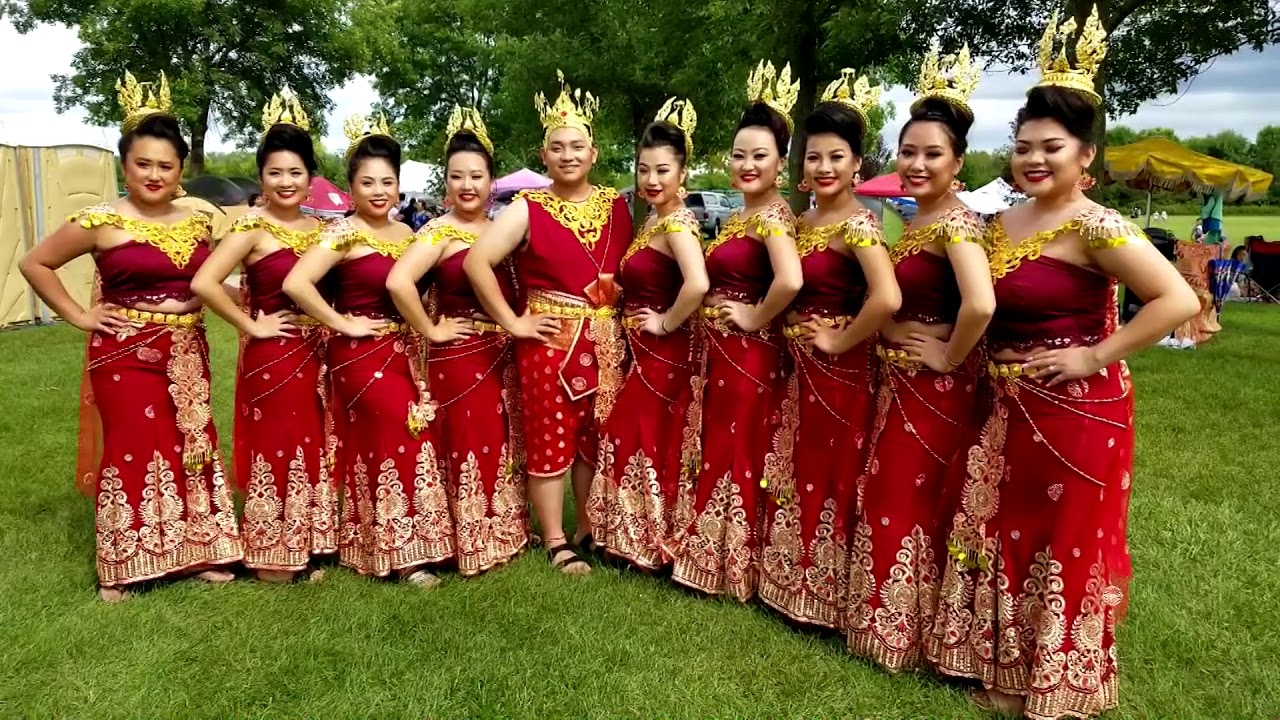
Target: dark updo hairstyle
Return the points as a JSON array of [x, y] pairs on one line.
[[284, 137], [1068, 108], [763, 116], [370, 147], [467, 142], [664, 134], [956, 121], [836, 119], [161, 126]]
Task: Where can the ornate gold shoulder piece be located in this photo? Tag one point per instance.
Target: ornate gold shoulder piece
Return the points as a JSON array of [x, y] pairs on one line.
[[681, 114], [1103, 227], [572, 109], [855, 93], [468, 120], [775, 89], [139, 100], [951, 79], [284, 109], [359, 127], [863, 229], [1091, 49]]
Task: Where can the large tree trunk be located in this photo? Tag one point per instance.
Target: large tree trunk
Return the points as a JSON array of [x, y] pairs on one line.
[[805, 69], [195, 163]]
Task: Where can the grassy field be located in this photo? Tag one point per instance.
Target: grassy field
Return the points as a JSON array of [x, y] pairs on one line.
[[1201, 638], [1237, 227]]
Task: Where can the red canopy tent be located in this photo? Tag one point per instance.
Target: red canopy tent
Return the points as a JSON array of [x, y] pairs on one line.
[[888, 185], [326, 199]]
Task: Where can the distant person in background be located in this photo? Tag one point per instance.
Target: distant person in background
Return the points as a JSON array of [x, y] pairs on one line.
[[1197, 232], [420, 215]]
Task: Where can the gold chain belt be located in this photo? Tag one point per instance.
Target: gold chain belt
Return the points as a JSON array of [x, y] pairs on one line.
[[304, 321], [183, 320], [797, 329], [483, 327], [567, 306], [897, 357], [1005, 370]]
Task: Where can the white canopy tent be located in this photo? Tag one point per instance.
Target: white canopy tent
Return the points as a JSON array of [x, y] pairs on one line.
[[992, 198], [417, 177]]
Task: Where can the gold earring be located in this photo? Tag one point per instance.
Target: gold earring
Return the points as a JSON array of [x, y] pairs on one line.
[[682, 193]]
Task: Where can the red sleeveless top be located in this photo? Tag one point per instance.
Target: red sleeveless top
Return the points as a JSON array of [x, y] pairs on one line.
[[454, 296], [1045, 302], [265, 278], [572, 244], [651, 278], [737, 264], [930, 293], [157, 264], [834, 283], [360, 284]]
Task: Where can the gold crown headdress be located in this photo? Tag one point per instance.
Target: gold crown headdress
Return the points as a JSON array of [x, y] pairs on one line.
[[573, 109], [951, 79], [284, 109], [681, 114], [774, 89], [468, 120], [1091, 48], [359, 127], [139, 100], [858, 95]]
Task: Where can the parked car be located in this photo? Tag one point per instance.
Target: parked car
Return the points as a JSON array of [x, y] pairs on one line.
[[711, 209]]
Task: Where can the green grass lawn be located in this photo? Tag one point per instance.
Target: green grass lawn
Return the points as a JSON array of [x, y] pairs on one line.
[[1237, 227], [1201, 639]]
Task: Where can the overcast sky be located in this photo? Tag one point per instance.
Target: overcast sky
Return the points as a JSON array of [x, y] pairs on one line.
[[1237, 93]]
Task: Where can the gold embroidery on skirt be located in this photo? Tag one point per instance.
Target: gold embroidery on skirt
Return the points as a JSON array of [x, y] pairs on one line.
[[297, 516], [190, 392], [392, 525], [163, 529], [262, 507], [117, 540], [610, 350]]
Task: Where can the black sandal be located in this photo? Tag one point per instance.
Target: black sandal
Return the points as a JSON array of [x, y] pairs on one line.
[[588, 544], [572, 558]]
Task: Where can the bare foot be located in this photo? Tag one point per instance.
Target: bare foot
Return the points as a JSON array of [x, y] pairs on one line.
[[215, 576], [274, 576], [316, 575], [423, 579], [998, 702], [113, 595]]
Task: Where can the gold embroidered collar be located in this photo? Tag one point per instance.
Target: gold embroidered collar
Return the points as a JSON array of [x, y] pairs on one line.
[[586, 219], [436, 232], [176, 240], [296, 240], [682, 219]]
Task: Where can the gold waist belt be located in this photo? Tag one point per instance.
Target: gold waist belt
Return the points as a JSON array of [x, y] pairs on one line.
[[795, 330], [184, 320], [305, 321], [1005, 370], [483, 327], [567, 306], [897, 357]]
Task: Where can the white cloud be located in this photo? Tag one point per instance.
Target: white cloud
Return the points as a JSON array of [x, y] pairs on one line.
[[1234, 94]]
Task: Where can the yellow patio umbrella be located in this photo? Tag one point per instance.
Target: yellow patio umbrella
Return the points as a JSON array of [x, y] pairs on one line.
[[1155, 162]]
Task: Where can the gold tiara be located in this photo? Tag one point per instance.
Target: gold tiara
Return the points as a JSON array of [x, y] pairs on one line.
[[284, 109], [573, 109], [858, 95], [1091, 48], [951, 79], [681, 114], [468, 120], [359, 127], [774, 89], [139, 100]]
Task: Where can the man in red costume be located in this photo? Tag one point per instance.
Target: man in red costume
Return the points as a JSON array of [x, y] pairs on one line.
[[568, 241]]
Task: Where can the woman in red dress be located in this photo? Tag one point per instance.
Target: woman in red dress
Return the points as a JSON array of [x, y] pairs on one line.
[[281, 445], [1038, 561], [664, 279], [848, 293], [163, 504], [471, 374], [395, 513], [928, 382], [754, 273]]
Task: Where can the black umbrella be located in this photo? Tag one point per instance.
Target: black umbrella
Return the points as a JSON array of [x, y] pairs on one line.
[[217, 190], [249, 185]]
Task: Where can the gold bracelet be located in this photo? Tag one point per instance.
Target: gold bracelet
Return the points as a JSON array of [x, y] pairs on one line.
[[952, 363]]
